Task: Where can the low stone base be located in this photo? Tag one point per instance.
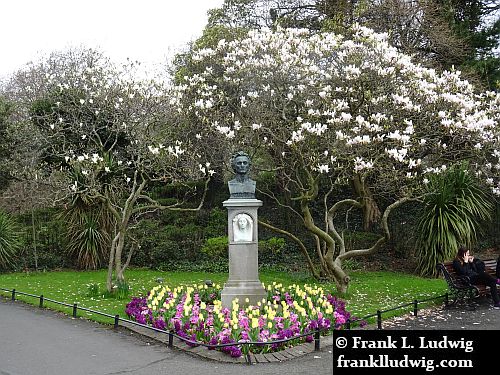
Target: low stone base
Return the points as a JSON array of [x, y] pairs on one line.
[[253, 290]]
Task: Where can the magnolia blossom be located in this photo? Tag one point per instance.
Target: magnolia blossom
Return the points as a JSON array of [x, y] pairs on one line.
[[371, 106], [154, 150], [360, 164]]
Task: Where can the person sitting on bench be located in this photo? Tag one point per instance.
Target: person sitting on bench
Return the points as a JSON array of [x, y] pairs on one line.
[[466, 265]]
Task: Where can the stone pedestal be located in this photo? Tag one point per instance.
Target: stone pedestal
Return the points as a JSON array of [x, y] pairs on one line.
[[243, 281]]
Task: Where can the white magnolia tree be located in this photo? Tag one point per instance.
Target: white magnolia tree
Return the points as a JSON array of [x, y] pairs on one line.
[[109, 137], [320, 111]]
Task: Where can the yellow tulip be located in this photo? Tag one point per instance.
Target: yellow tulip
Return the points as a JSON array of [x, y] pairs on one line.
[[255, 323]]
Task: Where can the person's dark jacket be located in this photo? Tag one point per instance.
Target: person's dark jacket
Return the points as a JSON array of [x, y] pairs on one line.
[[466, 269], [498, 267]]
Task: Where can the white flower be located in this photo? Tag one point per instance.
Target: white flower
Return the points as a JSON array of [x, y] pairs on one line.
[[398, 154], [414, 163], [345, 116], [96, 158], [154, 150], [360, 164], [256, 126], [323, 168]]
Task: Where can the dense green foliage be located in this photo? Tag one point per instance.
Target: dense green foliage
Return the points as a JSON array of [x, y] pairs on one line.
[[476, 23]]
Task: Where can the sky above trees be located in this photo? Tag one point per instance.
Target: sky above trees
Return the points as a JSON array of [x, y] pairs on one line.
[[149, 31]]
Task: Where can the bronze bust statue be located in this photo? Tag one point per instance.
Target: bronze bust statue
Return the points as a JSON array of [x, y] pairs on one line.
[[241, 186]]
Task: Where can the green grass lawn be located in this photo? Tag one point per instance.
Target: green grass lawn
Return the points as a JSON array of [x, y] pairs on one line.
[[368, 292]]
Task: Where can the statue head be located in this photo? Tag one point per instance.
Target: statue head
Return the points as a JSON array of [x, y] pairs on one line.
[[241, 163], [242, 222]]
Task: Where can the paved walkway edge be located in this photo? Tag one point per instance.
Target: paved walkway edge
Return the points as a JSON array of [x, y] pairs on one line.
[[216, 355]]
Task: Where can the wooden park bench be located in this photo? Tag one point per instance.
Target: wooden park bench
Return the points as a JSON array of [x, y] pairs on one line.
[[460, 287]]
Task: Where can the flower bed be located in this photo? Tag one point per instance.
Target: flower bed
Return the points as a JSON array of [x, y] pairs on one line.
[[195, 313]]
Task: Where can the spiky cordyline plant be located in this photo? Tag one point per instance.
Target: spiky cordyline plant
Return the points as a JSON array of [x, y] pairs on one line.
[[452, 214], [88, 226], [10, 240]]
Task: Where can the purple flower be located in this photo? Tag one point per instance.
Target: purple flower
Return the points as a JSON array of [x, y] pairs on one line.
[[235, 351], [159, 323]]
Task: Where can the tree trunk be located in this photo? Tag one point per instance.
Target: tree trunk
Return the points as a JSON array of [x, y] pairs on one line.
[[119, 271], [111, 263], [34, 234], [371, 212], [322, 236], [341, 278]]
